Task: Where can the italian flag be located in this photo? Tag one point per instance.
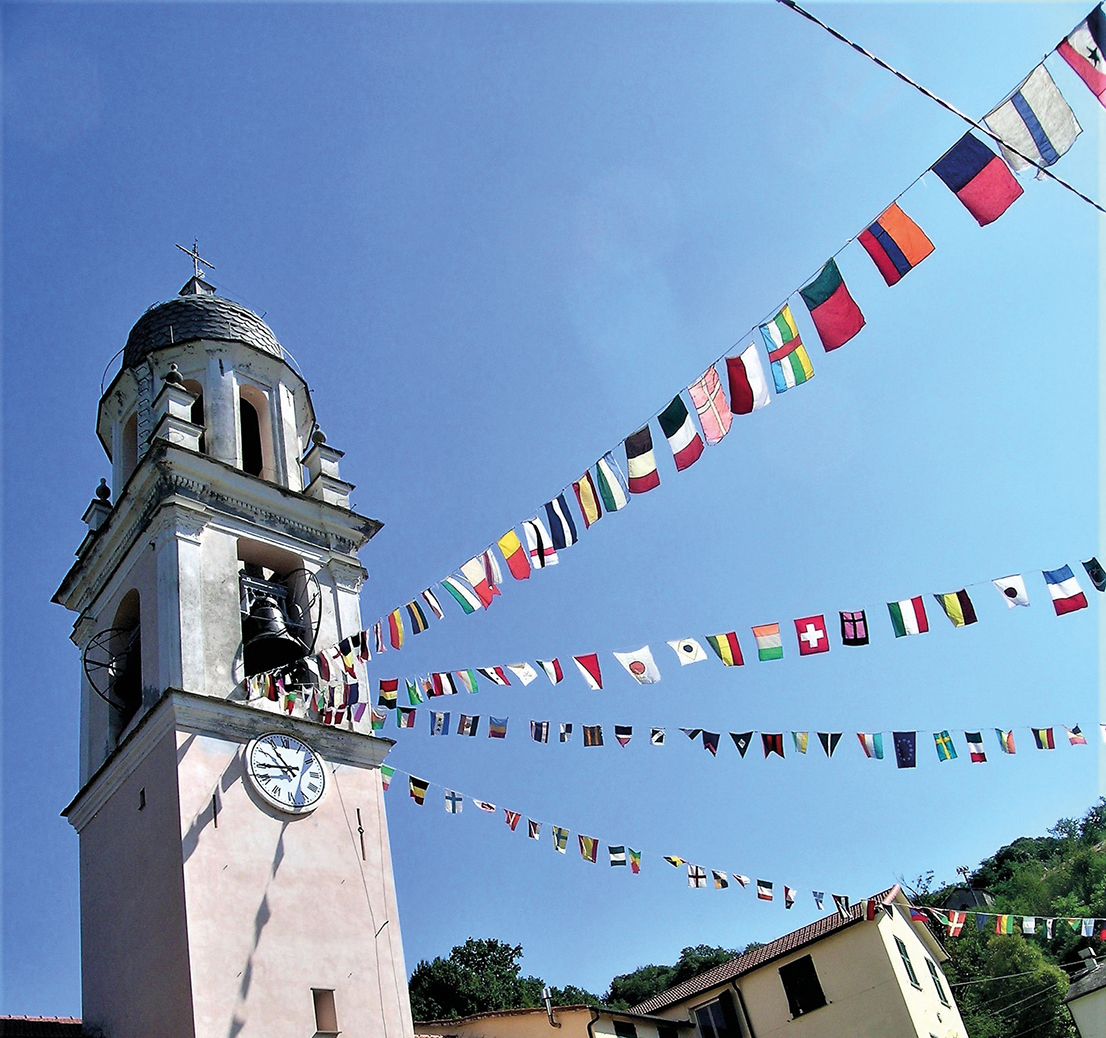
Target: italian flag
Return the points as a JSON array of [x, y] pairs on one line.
[[908, 616]]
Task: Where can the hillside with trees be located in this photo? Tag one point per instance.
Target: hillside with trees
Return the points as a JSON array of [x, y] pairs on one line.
[[1007, 986]]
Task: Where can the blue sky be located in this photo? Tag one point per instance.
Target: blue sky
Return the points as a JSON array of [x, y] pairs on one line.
[[497, 239]]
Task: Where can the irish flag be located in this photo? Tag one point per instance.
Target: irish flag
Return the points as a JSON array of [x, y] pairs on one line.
[[769, 642], [908, 616]]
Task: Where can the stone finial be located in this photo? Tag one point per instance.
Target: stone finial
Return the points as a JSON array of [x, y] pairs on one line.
[[96, 514], [318, 437], [174, 377], [103, 491]]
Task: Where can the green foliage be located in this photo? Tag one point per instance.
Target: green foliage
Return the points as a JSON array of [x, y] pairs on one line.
[[629, 989]]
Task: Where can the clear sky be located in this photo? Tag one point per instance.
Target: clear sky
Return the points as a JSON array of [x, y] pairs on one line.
[[497, 239]]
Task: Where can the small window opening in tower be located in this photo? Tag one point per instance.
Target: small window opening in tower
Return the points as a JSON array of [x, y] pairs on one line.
[[126, 649], [255, 432], [326, 1015], [196, 417], [129, 458], [252, 461]]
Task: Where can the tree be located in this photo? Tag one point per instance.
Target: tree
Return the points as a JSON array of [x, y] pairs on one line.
[[630, 989], [479, 976]]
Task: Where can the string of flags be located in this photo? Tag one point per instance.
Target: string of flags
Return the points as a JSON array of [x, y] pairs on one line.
[[1036, 127], [621, 855]]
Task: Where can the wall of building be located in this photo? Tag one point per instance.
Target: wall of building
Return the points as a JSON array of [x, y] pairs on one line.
[[259, 883], [1089, 1013]]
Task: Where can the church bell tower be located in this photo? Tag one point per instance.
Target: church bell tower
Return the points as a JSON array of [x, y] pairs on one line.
[[236, 878]]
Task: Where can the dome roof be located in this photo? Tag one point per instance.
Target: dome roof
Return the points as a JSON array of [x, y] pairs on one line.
[[192, 317]]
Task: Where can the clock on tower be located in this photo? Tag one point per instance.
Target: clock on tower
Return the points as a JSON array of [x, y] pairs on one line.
[[236, 878]]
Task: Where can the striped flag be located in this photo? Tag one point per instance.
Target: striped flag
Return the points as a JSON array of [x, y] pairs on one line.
[[587, 497], [431, 600], [589, 848], [417, 617], [1044, 739], [908, 616], [552, 670], [1075, 736], [640, 463], [1035, 122], [678, 429], [710, 405], [539, 543], [1005, 740], [1084, 50], [790, 361], [612, 485], [769, 642], [895, 243], [494, 674], [1067, 595], [748, 386], [958, 608], [872, 744], [617, 855], [468, 679], [561, 527], [417, 788], [461, 594], [476, 574], [726, 648], [764, 890], [395, 629]]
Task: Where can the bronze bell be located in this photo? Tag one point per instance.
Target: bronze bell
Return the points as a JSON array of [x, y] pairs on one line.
[[266, 641]]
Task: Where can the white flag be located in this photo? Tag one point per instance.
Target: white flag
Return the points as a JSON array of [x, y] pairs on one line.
[[1012, 589], [523, 671], [688, 650], [1035, 121], [640, 664]]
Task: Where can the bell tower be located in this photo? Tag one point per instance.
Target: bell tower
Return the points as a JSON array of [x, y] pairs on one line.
[[236, 877]]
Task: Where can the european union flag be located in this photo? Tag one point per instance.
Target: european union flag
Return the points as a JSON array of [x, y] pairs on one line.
[[906, 749]]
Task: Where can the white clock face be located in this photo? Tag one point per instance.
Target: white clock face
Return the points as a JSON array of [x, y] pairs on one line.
[[286, 772]]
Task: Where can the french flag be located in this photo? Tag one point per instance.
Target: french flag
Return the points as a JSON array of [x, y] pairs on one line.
[[979, 178], [1067, 595], [1083, 51]]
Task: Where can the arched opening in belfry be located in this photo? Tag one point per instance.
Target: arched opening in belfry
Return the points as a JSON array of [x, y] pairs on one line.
[[252, 461], [196, 416], [125, 691], [255, 432]]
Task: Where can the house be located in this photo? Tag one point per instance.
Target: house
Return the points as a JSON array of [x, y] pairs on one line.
[[579, 1021], [872, 972], [1086, 1001]]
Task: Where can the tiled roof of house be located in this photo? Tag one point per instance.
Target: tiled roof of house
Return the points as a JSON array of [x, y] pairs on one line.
[[1093, 980], [39, 1027], [757, 957], [191, 317]]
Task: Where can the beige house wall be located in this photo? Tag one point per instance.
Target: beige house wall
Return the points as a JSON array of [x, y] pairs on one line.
[[1089, 1013]]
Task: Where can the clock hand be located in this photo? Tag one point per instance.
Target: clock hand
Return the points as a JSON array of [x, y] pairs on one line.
[[279, 761]]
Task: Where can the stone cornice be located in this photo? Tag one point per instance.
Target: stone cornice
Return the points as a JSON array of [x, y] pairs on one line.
[[231, 722]]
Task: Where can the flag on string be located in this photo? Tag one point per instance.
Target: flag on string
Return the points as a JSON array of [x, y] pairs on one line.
[[788, 896], [345, 654], [1044, 739], [1034, 122], [742, 740], [552, 670], [679, 430], [635, 861], [854, 628], [623, 733], [388, 690], [461, 594], [1096, 573], [589, 848], [905, 749], [417, 617], [587, 497], [1075, 736], [453, 802], [872, 744], [533, 829], [443, 683], [764, 890], [492, 572], [790, 361], [955, 923], [800, 739], [726, 648], [511, 818], [819, 896], [1029, 924], [656, 736], [566, 731], [417, 789], [895, 243], [811, 632], [539, 731], [439, 723], [523, 671], [773, 743], [468, 679], [640, 463], [976, 753], [834, 312], [945, 749], [958, 608], [673, 860], [908, 616], [593, 735], [710, 405], [1083, 50], [467, 725], [1013, 590], [376, 718], [743, 880], [324, 666], [617, 855], [1087, 929], [748, 386], [979, 178], [688, 650], [640, 665], [1067, 595], [515, 555], [473, 571], [484, 805], [431, 600], [362, 642], [588, 665], [696, 876], [395, 629], [378, 636], [560, 838], [1049, 924], [386, 773], [406, 717], [769, 642], [829, 741], [494, 674], [611, 483], [1005, 740], [720, 881], [538, 543], [691, 733], [561, 527], [841, 903], [710, 742], [1004, 924]]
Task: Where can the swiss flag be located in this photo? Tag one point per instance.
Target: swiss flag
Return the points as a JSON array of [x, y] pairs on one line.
[[811, 632]]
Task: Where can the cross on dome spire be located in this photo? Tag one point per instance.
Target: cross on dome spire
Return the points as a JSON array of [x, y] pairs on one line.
[[197, 259], [196, 285]]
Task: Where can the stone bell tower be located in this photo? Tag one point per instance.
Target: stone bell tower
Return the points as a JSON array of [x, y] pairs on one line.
[[236, 877]]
